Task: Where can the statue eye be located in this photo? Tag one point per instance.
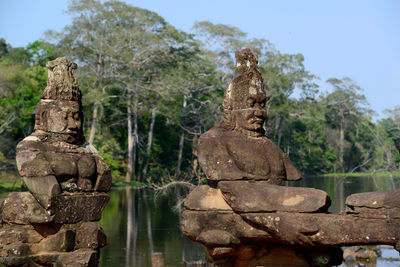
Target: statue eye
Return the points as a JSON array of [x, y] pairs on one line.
[[250, 102], [76, 116], [262, 104]]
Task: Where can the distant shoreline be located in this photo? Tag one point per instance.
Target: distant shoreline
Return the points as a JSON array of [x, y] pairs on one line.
[[360, 174]]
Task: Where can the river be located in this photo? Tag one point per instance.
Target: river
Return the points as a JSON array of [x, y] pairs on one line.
[[141, 221]]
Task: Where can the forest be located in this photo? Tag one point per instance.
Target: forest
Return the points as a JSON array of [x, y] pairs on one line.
[[150, 90]]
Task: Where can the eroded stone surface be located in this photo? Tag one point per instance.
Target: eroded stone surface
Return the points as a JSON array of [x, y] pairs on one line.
[[217, 238], [204, 197], [50, 244], [61, 83], [18, 233], [43, 188], [62, 241], [196, 222], [23, 208], [77, 258], [329, 230], [90, 235], [382, 203], [76, 207], [245, 196]]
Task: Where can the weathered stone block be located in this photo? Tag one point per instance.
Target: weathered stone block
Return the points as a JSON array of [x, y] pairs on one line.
[[196, 222], [17, 249], [76, 207], [90, 235], [259, 196], [217, 238], [43, 188], [10, 234], [63, 241], [63, 164], [39, 166], [375, 204], [23, 208], [277, 256], [86, 166], [325, 230], [204, 197], [79, 258]]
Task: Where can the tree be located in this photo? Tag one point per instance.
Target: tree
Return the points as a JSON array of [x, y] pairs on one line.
[[282, 74], [346, 107], [119, 46], [387, 132]]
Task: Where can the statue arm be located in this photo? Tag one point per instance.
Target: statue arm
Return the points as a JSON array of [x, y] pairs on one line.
[[104, 179], [291, 172], [38, 176]]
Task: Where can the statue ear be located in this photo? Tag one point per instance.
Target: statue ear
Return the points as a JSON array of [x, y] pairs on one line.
[[227, 102], [43, 118]]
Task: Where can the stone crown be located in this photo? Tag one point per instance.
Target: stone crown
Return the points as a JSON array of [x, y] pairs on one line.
[[61, 83]]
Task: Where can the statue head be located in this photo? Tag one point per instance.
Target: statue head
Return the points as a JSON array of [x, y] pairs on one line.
[[59, 112], [244, 100]]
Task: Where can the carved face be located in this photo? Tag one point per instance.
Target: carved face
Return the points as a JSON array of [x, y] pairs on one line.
[[59, 117], [253, 115], [64, 121]]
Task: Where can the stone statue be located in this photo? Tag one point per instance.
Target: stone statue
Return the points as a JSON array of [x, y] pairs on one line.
[[244, 217], [56, 158], [53, 223], [236, 148]]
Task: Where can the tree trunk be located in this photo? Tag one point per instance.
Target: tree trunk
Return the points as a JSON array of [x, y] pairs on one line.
[[130, 171], [181, 140], [280, 130], [96, 85], [179, 163], [135, 135], [149, 143], [94, 122], [341, 146]]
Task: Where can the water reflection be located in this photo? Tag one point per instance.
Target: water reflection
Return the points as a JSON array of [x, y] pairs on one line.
[[139, 222]]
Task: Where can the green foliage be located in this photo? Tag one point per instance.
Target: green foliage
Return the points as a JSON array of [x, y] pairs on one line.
[[112, 153]]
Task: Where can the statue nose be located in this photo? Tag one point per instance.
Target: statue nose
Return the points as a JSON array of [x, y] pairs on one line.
[[259, 112], [71, 123]]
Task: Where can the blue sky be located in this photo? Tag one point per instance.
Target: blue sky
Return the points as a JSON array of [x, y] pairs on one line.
[[359, 39]]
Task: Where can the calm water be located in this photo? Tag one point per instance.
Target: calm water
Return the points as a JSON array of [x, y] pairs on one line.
[[140, 221]]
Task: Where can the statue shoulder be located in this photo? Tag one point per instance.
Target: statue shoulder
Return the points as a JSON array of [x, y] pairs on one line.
[[212, 141], [214, 136]]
